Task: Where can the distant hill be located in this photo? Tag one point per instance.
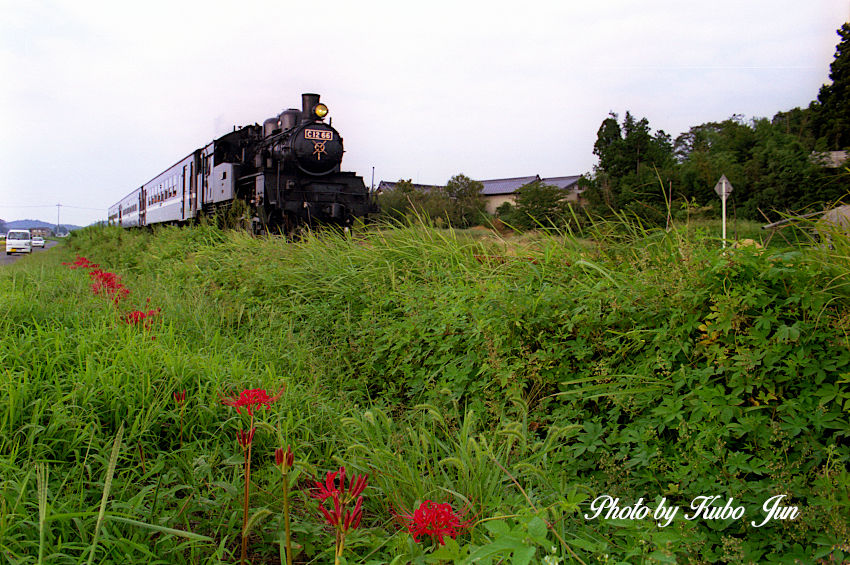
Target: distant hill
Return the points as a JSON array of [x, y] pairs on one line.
[[30, 224]]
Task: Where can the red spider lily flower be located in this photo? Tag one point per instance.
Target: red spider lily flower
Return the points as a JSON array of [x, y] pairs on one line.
[[135, 317], [180, 397], [352, 520], [284, 459], [328, 489], [435, 520], [334, 487], [245, 438], [250, 399], [340, 517], [108, 284], [138, 316], [332, 518], [81, 263], [356, 484]]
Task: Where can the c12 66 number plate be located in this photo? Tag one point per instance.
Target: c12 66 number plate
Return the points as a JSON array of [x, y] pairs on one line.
[[319, 134]]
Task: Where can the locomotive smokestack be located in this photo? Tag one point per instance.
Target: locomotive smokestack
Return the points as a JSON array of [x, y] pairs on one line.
[[308, 102]]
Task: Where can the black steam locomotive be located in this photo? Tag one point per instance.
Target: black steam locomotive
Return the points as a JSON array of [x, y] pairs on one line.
[[287, 171]]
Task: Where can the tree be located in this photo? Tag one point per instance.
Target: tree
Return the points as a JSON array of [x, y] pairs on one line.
[[399, 201], [538, 204], [832, 110], [468, 203], [632, 160], [707, 151], [459, 204]]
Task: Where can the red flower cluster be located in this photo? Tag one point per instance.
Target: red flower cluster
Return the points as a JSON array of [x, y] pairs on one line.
[[329, 488], [435, 520], [108, 284], [250, 399], [340, 517], [137, 316], [81, 263]]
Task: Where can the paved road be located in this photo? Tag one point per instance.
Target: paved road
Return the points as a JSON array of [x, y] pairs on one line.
[[9, 259]]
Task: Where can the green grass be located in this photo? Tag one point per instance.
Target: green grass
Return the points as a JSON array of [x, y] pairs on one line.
[[517, 377]]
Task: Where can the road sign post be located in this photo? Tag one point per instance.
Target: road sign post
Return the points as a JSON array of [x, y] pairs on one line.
[[723, 188]]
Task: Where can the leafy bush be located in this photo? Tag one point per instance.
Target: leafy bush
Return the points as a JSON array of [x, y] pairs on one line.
[[458, 204]]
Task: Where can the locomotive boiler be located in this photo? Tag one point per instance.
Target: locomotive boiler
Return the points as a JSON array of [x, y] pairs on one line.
[[288, 172]]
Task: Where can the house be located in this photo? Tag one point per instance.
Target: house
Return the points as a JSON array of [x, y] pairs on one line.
[[498, 191]]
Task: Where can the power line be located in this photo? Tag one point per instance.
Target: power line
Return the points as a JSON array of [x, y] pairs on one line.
[[50, 206], [81, 208]]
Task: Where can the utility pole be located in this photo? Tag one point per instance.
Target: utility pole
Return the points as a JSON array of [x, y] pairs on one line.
[[57, 219]]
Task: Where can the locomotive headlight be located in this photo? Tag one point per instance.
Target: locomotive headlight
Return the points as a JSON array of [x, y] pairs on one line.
[[320, 110]]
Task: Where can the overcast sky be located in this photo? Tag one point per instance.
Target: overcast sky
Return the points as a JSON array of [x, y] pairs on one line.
[[98, 97]]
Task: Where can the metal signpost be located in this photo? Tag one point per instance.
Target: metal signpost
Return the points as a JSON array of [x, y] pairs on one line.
[[723, 188]]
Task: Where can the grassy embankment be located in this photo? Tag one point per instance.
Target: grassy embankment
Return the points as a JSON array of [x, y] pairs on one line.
[[516, 379]]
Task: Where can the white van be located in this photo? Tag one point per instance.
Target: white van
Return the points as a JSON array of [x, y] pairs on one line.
[[18, 241]]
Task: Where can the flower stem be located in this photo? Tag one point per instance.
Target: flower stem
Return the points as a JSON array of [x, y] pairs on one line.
[[339, 546], [247, 449], [181, 426], [245, 506], [286, 519]]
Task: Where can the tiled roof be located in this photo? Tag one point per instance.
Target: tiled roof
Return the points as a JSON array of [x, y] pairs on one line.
[[505, 186], [562, 182]]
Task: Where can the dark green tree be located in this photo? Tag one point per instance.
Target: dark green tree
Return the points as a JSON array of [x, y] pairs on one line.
[[832, 109], [399, 202], [467, 202], [634, 165], [706, 152], [538, 205], [459, 204]]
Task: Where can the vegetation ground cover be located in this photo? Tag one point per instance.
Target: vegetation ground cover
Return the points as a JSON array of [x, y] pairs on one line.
[[517, 380]]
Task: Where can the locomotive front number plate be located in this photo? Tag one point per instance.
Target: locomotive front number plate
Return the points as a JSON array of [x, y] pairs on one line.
[[319, 134]]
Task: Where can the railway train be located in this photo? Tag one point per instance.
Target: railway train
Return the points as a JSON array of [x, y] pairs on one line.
[[287, 171]]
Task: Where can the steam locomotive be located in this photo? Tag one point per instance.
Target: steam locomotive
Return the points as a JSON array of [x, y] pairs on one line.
[[287, 171]]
